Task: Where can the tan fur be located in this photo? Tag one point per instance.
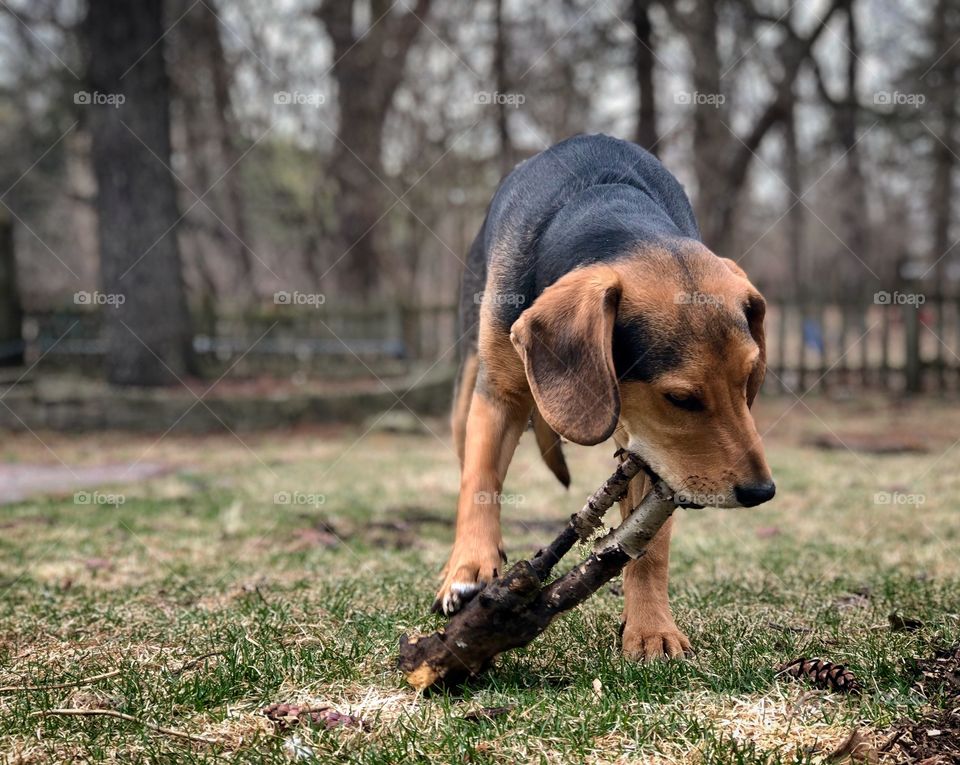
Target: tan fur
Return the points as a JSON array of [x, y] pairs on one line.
[[574, 316], [461, 404], [558, 355], [649, 631], [494, 429]]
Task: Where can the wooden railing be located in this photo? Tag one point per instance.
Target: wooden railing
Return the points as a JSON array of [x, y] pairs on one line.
[[321, 339], [902, 341], [899, 341]]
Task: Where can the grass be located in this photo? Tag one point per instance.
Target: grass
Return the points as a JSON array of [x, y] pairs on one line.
[[207, 600]]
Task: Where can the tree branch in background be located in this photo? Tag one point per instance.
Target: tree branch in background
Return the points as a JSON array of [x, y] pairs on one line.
[[796, 51]]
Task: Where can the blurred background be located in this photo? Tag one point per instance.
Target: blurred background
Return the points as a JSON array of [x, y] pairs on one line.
[[264, 208]]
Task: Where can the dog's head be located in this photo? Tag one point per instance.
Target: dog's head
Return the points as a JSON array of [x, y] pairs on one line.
[[667, 349]]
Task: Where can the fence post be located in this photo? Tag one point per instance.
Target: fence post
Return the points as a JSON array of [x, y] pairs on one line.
[[911, 329], [11, 311]]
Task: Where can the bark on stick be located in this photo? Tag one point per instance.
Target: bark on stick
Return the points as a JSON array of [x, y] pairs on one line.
[[514, 609]]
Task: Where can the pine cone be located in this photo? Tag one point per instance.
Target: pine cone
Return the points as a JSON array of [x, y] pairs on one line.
[[823, 674]]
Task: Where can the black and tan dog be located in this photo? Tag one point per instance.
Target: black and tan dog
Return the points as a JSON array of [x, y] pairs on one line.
[[603, 314]]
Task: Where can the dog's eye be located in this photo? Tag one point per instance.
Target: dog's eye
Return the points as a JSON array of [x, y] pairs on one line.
[[684, 401]]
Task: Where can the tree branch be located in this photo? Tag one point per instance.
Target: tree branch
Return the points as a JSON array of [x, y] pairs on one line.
[[514, 610]]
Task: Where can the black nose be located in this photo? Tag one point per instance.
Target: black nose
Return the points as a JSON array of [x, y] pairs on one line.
[[750, 496]]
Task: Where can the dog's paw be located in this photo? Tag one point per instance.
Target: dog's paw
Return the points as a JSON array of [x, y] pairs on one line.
[[465, 577], [661, 642]]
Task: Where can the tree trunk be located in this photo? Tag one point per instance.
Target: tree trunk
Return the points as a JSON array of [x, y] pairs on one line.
[[11, 313], [854, 210], [944, 159], [368, 69], [795, 215], [646, 135], [148, 334], [710, 137], [503, 87], [229, 154]]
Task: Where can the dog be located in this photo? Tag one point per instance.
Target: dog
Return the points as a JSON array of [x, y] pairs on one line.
[[590, 306]]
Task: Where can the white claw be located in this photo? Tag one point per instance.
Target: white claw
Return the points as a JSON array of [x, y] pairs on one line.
[[460, 593]]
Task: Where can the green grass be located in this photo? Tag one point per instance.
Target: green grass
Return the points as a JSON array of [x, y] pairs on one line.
[[212, 601]]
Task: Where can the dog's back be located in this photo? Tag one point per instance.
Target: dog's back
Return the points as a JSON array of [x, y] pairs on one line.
[[586, 199]]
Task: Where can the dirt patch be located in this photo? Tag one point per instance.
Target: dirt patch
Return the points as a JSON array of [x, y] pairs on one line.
[[872, 443], [20, 481], [935, 739]]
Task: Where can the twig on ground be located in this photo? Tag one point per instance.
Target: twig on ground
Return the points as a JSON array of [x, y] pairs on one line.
[[128, 718], [103, 676], [57, 686]]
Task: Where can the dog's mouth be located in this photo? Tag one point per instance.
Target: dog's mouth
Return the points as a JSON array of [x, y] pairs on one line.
[[678, 497]]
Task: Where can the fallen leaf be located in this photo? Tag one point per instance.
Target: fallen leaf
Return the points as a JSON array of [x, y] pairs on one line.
[[854, 748]]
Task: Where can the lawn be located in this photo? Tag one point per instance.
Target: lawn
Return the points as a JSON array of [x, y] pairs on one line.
[[285, 567]]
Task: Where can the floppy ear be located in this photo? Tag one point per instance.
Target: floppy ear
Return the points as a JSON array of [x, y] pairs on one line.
[[566, 342], [755, 310]]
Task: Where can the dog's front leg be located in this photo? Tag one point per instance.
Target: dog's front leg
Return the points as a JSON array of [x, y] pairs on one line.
[[494, 426], [649, 631]]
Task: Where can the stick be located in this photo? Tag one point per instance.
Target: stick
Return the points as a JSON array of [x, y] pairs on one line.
[[128, 718], [515, 609]]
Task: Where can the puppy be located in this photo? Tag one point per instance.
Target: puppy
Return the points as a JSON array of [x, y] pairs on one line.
[[590, 305]]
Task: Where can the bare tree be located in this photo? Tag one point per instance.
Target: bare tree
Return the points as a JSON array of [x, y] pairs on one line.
[[148, 333], [945, 78], [646, 134], [368, 68], [500, 54], [722, 159]]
